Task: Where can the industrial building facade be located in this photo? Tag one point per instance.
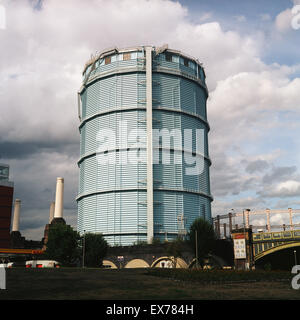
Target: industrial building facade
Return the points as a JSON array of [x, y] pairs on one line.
[[6, 200], [135, 187]]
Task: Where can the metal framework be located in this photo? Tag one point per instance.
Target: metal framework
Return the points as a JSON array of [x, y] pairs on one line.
[[247, 213]]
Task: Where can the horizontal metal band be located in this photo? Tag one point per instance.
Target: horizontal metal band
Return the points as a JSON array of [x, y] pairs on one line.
[[138, 233], [156, 108], [80, 196], [142, 148], [114, 110], [142, 69]]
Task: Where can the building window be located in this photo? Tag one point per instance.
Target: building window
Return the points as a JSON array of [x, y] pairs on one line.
[[127, 56], [175, 59], [102, 62], [201, 74], [186, 62], [108, 60], [168, 57], [191, 65]]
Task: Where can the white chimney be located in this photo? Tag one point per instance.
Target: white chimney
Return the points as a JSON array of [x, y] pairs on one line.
[[16, 220], [59, 198], [51, 213]]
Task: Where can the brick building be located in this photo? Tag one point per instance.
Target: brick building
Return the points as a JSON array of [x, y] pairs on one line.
[[6, 201]]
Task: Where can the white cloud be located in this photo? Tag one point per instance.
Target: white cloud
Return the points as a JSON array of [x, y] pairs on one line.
[[283, 20], [45, 51], [289, 188]]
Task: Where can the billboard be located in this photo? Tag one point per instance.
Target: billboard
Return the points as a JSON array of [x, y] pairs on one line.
[[239, 247]]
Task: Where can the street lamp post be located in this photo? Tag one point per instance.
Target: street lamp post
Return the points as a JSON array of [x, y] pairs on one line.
[[196, 239], [244, 223], [83, 249], [295, 256]]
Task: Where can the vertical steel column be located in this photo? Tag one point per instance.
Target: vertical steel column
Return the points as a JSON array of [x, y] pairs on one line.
[[150, 232], [247, 217], [218, 227], [230, 223], [291, 218], [79, 105], [268, 220]]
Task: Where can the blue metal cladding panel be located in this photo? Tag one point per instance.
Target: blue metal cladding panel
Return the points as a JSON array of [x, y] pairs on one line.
[[115, 91], [169, 205], [175, 191], [104, 177], [179, 93], [115, 213], [171, 120], [166, 91], [194, 205], [112, 196], [134, 119], [83, 104]]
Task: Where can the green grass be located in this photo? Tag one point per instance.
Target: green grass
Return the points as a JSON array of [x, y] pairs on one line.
[[220, 276], [145, 284]]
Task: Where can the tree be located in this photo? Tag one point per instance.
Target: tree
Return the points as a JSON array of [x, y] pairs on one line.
[[174, 250], [63, 244], [205, 238], [95, 249]]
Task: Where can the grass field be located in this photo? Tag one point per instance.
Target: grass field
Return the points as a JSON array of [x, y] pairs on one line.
[[144, 284]]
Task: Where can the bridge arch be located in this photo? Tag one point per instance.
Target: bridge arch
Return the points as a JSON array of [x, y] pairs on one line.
[[137, 263], [109, 264], [275, 249], [167, 262]]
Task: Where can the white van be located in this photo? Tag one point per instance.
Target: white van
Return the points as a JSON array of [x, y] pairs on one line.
[[42, 264], [16, 264]]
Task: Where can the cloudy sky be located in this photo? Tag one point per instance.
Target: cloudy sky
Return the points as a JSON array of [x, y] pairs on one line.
[[250, 50]]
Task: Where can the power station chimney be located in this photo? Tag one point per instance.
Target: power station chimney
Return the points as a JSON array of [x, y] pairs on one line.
[[16, 220], [59, 198], [51, 213], [59, 202]]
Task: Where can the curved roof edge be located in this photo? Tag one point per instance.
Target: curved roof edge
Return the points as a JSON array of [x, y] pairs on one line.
[[157, 50]]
